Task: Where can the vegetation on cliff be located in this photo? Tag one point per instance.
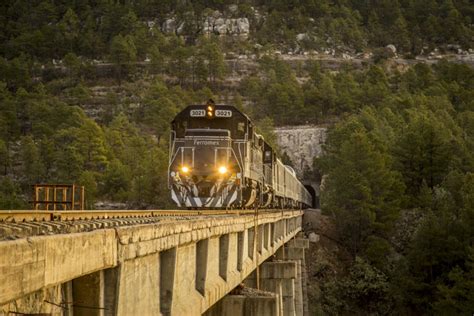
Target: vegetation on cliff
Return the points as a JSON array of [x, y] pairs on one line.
[[87, 90], [411, 151], [43, 29]]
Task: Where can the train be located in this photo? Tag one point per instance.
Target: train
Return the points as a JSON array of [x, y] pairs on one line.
[[217, 160]]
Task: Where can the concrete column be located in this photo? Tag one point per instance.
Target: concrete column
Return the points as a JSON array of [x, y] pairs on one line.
[[111, 283], [139, 286], [240, 250], [251, 243], [294, 250], [201, 266], [167, 275], [241, 305], [197, 266], [288, 292], [224, 242], [298, 289], [278, 277], [67, 298], [88, 294]]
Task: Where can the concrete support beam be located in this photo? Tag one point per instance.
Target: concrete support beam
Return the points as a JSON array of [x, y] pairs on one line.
[[224, 241], [298, 243], [278, 270], [235, 305], [186, 292], [167, 276], [240, 250], [298, 290], [260, 230], [88, 295], [139, 286], [28, 265], [66, 289], [111, 284], [43, 302], [251, 242], [278, 277], [201, 265], [294, 250]]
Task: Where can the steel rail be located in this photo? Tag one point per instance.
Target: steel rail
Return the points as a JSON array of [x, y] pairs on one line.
[[31, 215]]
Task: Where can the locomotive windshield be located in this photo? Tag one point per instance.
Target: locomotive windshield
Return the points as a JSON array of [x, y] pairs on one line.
[[235, 126]]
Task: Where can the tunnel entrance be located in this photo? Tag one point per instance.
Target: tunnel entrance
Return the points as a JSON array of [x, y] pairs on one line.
[[314, 197]]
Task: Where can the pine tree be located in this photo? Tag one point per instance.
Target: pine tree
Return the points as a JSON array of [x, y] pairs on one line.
[[70, 29], [423, 152], [123, 54], [32, 166], [361, 190]]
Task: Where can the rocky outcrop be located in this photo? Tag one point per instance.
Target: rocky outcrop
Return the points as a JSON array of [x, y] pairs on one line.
[[302, 144], [221, 26], [214, 24]]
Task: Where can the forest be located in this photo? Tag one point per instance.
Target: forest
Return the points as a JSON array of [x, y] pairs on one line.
[[88, 88], [43, 30]]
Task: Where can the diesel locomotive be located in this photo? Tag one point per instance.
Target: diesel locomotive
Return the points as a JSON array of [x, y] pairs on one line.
[[217, 160]]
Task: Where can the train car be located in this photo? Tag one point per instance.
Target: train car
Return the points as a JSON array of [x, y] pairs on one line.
[[217, 160]]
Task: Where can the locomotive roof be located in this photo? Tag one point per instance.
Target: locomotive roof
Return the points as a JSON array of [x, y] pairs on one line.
[[185, 112]]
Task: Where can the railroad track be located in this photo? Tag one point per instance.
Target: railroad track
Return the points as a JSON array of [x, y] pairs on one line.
[[57, 216]]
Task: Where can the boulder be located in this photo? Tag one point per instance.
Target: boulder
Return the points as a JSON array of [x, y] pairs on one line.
[[233, 8], [301, 37], [180, 29], [243, 26], [220, 26], [216, 14], [391, 48], [313, 237], [150, 24], [346, 56], [169, 26]]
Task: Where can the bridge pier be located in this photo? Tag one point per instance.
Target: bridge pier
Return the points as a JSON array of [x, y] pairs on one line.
[[87, 295], [278, 277], [138, 286], [256, 305], [294, 250], [284, 275]]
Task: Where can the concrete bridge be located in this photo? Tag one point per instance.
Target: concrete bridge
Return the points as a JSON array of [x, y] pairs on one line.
[[178, 266]]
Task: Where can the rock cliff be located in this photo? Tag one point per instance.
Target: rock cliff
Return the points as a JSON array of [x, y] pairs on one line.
[[301, 144]]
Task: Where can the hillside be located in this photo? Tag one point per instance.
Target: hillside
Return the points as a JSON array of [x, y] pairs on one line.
[[88, 88]]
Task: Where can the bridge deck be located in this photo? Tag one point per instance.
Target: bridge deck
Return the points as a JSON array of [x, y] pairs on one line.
[[22, 224]]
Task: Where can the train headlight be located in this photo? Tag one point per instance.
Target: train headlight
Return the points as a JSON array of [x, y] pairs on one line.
[[222, 169], [184, 169]]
